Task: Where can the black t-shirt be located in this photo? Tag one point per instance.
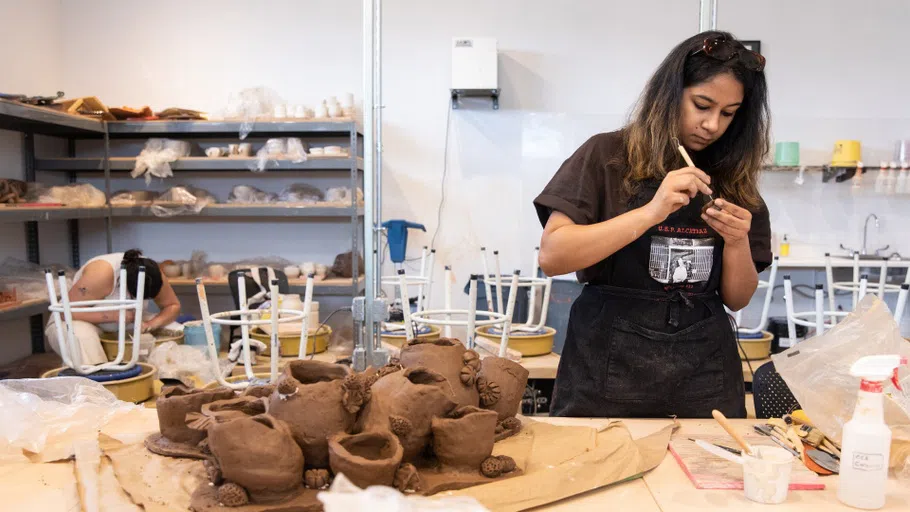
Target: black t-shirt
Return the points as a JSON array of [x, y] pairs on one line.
[[587, 188]]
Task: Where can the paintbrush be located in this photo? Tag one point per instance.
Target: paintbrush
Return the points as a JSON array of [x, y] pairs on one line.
[[690, 163]]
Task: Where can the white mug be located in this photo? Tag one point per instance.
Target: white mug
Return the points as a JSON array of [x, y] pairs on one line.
[[321, 112], [245, 149], [334, 110], [213, 152]]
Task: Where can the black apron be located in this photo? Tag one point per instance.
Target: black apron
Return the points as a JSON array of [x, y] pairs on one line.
[[651, 338]]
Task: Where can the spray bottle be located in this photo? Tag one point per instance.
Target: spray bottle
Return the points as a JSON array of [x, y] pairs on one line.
[[867, 439]]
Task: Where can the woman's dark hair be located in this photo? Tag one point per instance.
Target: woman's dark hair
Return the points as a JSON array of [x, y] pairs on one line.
[[733, 160], [132, 260]]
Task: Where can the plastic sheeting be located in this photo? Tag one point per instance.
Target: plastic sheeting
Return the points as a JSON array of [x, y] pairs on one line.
[[343, 496], [77, 195], [185, 200], [156, 157]]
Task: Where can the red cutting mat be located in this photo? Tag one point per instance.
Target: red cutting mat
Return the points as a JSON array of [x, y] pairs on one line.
[[707, 471]]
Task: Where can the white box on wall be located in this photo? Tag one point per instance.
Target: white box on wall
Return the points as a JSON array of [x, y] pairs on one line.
[[474, 63]]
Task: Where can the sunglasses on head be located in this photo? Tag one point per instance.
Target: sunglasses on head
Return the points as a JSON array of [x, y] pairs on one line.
[[721, 49]]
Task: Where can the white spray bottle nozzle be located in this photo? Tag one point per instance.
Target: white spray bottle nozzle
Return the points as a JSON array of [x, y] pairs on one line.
[[878, 368]]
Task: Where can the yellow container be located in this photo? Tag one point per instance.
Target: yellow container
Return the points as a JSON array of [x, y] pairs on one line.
[[528, 346], [759, 348], [135, 389], [290, 344], [846, 153], [399, 339], [109, 344]]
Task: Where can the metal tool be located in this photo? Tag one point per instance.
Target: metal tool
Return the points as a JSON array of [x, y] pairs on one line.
[[769, 431], [722, 447], [825, 460]]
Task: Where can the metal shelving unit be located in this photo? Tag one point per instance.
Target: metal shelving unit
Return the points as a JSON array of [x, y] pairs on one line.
[[31, 120]]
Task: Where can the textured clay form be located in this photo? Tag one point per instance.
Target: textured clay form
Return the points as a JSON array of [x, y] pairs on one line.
[[449, 358], [368, 458], [258, 454], [225, 410], [465, 438], [493, 467], [501, 384], [405, 402], [318, 400], [176, 439]]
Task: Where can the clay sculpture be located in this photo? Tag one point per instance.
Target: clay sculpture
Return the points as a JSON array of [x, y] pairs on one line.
[[426, 423], [405, 403], [464, 439], [317, 400], [368, 458], [175, 438], [449, 358]]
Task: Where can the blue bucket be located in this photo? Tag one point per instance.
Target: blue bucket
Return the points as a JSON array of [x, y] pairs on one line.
[[194, 334]]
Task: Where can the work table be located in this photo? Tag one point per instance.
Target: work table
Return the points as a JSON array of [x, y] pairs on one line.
[[52, 487]]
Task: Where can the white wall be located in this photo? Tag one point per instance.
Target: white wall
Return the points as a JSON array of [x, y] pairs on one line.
[[567, 69], [30, 63]]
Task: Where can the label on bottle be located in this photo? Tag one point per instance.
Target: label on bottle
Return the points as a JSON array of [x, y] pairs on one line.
[[868, 461]]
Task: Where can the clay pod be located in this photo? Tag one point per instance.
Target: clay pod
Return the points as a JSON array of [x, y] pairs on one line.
[[174, 403], [405, 403], [259, 454], [465, 438], [445, 356], [309, 398], [368, 458], [511, 379]]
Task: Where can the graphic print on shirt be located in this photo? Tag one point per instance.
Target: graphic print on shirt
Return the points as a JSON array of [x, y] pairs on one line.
[[679, 261]]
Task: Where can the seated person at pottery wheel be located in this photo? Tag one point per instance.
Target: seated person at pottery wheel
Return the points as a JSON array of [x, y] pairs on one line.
[[99, 279], [663, 245]]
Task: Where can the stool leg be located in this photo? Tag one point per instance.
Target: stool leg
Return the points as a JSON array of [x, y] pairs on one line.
[[882, 279], [788, 300], [819, 310], [901, 303], [472, 312]]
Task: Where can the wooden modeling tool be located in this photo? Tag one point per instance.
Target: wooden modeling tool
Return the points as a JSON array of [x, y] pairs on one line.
[[690, 163], [722, 420]]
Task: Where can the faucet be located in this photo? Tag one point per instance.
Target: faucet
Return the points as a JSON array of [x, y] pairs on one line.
[[863, 251]]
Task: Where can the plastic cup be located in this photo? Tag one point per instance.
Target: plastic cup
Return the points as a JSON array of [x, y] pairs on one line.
[[766, 475], [786, 154]]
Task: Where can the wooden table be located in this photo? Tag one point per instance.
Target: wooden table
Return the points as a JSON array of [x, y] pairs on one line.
[[52, 487]]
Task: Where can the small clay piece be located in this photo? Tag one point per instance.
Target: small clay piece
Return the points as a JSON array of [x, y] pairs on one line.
[[175, 438], [407, 478], [407, 401], [445, 356], [259, 454], [489, 392], [472, 359], [491, 467], [315, 410], [368, 458], [213, 472], [232, 495], [225, 410], [317, 478], [507, 428], [465, 438], [511, 379], [387, 369], [508, 463], [356, 391], [468, 375], [708, 205], [259, 391], [13, 191]]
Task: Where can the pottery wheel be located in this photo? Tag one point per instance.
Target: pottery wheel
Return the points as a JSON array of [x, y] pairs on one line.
[[514, 334], [104, 375]]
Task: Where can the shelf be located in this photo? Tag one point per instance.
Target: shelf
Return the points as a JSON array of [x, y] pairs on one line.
[[340, 127], [327, 287], [199, 164], [253, 210], [27, 214], [29, 119], [24, 310]]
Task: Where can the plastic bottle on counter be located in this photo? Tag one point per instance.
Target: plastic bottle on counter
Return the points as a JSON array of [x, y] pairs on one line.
[[784, 247], [858, 178], [891, 178], [901, 185], [867, 439], [880, 179]]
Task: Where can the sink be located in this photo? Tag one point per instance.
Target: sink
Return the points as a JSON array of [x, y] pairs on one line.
[[867, 257]]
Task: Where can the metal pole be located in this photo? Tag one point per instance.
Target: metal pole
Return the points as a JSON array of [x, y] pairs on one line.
[[108, 221], [369, 168], [707, 15]]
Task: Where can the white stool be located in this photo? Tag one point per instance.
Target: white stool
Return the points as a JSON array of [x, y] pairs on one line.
[[423, 282], [766, 305], [880, 288], [70, 351], [533, 282], [278, 316]]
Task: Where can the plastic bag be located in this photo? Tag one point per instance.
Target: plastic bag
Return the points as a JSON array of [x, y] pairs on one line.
[[28, 278], [77, 195], [43, 417], [156, 156], [343, 496], [275, 150], [250, 195], [250, 105], [342, 195], [817, 371], [181, 201], [301, 193], [184, 363], [133, 197]]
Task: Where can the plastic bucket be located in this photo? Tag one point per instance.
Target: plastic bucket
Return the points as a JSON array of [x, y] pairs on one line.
[[194, 334], [786, 154], [846, 153]]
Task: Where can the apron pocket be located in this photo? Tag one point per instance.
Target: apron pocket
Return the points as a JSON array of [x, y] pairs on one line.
[[648, 365]]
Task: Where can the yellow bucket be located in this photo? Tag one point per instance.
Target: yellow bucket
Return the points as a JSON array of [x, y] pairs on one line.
[[316, 343], [846, 153], [135, 389], [527, 345], [754, 349], [109, 344], [399, 339]]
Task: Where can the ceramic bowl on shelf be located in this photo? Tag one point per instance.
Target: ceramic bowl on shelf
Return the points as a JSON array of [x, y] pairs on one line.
[[333, 150], [317, 151], [292, 272], [171, 270]]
